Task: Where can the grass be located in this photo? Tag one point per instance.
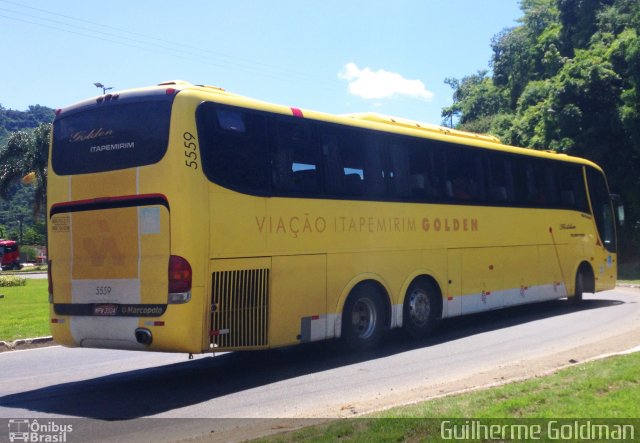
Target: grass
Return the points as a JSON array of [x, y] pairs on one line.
[[605, 389], [24, 311]]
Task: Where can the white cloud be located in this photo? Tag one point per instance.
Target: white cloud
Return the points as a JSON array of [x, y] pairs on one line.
[[380, 84]]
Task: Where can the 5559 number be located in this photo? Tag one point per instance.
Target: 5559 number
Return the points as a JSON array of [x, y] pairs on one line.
[[191, 150]]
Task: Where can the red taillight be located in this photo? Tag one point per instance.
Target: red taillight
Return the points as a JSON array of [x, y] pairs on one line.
[[170, 91], [179, 275]]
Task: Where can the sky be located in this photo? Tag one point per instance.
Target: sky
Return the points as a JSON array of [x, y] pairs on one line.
[[336, 56]]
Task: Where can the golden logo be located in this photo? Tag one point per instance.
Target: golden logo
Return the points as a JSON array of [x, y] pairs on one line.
[[82, 136], [99, 250]]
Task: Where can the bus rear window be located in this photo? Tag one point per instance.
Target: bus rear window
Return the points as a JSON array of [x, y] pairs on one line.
[[110, 137]]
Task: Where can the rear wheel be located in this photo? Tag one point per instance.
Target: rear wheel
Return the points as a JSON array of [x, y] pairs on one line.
[[363, 318], [420, 310]]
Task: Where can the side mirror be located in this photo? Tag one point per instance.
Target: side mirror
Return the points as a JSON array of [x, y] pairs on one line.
[[617, 202]]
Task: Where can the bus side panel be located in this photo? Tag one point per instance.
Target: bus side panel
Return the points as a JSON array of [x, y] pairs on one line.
[[553, 285], [298, 304], [482, 284], [604, 268], [239, 225], [452, 292], [521, 275]]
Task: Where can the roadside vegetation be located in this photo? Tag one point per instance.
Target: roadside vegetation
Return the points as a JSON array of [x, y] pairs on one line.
[[608, 388], [629, 273], [26, 270], [24, 309]]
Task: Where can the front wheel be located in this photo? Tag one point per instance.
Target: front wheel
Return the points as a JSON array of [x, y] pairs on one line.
[[579, 289], [420, 310], [363, 318]]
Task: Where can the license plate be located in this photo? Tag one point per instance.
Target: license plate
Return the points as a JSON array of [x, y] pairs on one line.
[[105, 309]]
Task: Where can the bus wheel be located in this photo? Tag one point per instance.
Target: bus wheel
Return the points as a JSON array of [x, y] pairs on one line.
[[363, 318], [579, 289], [420, 309]]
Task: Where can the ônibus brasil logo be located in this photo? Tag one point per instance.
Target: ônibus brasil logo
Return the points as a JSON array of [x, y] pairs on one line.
[[28, 430]]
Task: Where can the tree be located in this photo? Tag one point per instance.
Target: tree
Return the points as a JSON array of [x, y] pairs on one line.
[[474, 98], [26, 152], [568, 79], [12, 120]]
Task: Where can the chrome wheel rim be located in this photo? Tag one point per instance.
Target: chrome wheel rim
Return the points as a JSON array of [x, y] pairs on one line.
[[419, 307], [364, 317]]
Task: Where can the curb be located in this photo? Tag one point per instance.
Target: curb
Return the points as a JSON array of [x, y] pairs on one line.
[[628, 285], [25, 343]]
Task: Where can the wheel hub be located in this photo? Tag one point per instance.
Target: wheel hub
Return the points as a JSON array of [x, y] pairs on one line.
[[364, 317], [419, 307]]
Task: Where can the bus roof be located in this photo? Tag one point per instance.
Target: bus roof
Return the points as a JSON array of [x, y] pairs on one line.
[[370, 120], [398, 121]]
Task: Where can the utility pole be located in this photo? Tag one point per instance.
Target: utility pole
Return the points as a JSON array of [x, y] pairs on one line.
[[20, 218]]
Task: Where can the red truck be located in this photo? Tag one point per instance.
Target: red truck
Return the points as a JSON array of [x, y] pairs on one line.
[[9, 255]]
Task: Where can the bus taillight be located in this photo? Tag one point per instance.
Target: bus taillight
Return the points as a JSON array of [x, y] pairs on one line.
[[179, 280]]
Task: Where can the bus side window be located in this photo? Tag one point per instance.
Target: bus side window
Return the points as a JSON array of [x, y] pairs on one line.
[[437, 171], [333, 172], [403, 185], [479, 189], [374, 175], [422, 180], [570, 182], [233, 146], [352, 154], [463, 184], [501, 186], [538, 192], [296, 157], [521, 180], [550, 187], [353, 163]]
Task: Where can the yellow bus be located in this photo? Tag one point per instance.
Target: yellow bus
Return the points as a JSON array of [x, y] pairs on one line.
[[185, 218]]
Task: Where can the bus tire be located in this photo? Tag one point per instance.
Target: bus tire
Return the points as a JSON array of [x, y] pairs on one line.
[[420, 309], [579, 289], [363, 318]]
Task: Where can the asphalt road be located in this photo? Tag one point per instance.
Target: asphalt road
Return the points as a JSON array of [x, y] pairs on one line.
[[119, 395]]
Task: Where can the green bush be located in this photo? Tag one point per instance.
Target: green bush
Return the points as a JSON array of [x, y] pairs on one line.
[[29, 252], [629, 271], [12, 280]]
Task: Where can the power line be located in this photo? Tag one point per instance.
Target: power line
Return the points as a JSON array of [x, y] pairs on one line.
[[157, 45]]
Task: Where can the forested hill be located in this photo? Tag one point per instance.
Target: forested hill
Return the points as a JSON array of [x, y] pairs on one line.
[[11, 120], [567, 78], [17, 211]]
